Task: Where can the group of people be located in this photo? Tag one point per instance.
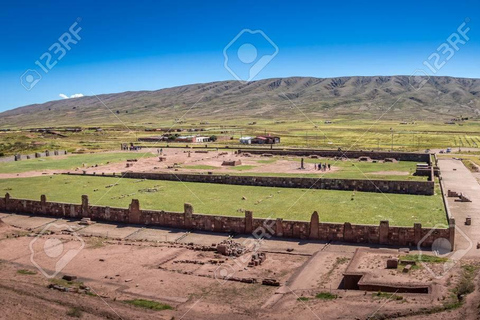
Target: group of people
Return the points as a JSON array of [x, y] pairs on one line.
[[322, 166]]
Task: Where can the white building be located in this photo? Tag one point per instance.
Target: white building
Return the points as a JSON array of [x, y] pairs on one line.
[[202, 139], [246, 140]]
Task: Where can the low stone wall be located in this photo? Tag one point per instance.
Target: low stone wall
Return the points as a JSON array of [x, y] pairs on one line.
[[382, 234], [375, 155], [384, 186]]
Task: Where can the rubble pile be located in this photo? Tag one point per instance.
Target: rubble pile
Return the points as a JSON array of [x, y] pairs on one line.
[[231, 248]]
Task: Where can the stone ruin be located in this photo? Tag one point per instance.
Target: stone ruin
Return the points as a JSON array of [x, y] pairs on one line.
[[231, 163], [270, 282], [86, 222], [365, 159], [231, 248], [452, 193], [392, 263], [257, 259], [461, 196]]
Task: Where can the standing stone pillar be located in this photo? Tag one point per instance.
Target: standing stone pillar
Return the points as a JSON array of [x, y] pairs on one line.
[[188, 215], [348, 232], [301, 164], [47, 153], [217, 224], [248, 222], [279, 227], [402, 237], [383, 232], [417, 227], [7, 199], [451, 229], [314, 221], [85, 210], [43, 203], [134, 212], [37, 155]]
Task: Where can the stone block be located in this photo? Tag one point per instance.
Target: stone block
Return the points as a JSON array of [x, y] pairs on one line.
[[392, 263], [468, 221], [407, 268], [222, 249]]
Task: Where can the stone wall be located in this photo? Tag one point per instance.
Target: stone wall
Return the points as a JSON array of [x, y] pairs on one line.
[[384, 186], [315, 229], [375, 155], [19, 157]]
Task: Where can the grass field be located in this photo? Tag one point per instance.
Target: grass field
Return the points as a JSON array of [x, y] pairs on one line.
[[342, 132], [66, 162], [293, 204]]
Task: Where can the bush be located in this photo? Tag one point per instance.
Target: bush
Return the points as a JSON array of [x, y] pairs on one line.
[[148, 304], [326, 296]]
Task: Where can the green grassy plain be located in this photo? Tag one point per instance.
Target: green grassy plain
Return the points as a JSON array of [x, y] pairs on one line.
[[67, 162], [292, 204]]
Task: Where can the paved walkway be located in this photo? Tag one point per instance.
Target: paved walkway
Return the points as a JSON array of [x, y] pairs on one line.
[[458, 178]]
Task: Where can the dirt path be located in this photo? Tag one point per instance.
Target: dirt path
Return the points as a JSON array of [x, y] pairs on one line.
[[458, 178]]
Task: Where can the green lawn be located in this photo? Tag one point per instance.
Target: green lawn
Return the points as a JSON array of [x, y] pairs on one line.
[[292, 204], [68, 162], [242, 168]]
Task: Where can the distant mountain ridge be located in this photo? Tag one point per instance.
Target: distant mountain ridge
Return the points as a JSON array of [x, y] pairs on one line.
[[277, 98]]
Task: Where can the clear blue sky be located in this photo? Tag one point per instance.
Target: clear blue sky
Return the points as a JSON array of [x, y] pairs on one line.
[[148, 45]]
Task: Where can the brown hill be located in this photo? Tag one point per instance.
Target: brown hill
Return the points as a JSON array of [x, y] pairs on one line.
[[355, 97]]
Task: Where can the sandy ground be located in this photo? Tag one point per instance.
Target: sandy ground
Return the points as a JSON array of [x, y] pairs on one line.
[[124, 262], [161, 265]]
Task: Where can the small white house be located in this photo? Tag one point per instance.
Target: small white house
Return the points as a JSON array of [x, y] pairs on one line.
[[202, 139], [246, 140]]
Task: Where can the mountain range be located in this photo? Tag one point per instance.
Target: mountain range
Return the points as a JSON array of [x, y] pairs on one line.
[[359, 97]]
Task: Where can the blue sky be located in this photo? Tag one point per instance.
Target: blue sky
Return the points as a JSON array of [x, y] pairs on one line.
[[148, 45]]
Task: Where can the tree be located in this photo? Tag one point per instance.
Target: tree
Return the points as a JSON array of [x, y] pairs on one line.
[[213, 138]]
